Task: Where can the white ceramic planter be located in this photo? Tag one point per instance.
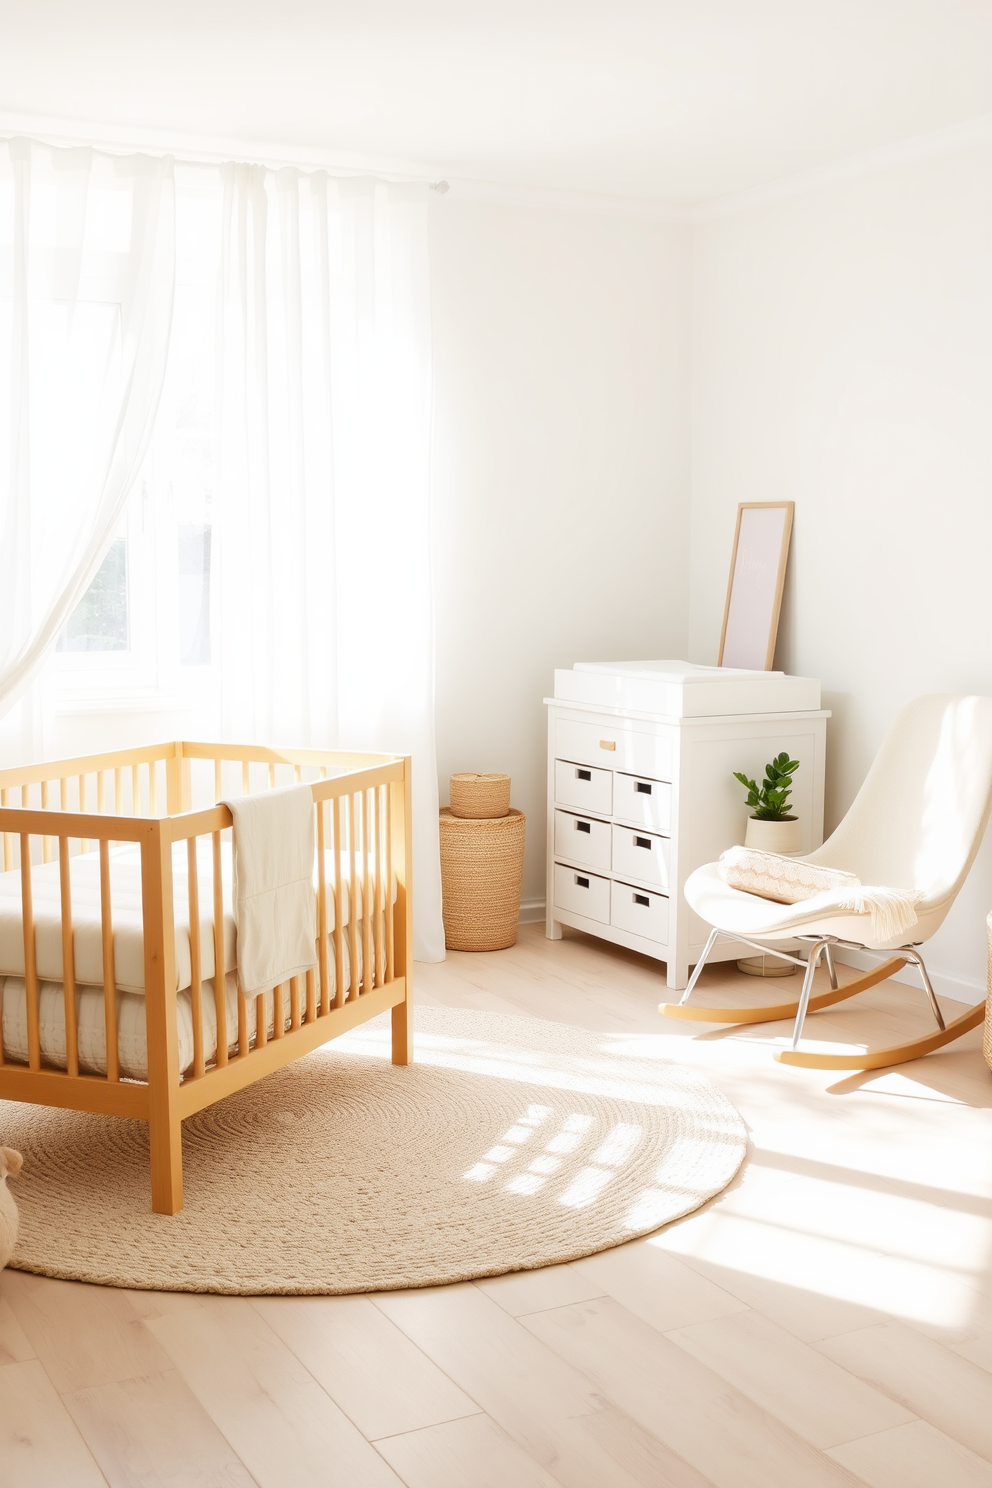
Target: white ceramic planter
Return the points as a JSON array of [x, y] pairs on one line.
[[784, 836]]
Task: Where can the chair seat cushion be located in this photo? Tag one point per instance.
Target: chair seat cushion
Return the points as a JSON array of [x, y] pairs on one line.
[[739, 913]]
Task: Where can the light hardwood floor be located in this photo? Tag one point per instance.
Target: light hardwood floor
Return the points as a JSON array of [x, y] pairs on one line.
[[825, 1321]]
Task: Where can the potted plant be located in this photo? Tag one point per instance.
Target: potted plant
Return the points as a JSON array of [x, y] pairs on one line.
[[771, 826]]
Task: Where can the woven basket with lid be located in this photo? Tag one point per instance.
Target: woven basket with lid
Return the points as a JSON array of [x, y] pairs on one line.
[[479, 796]]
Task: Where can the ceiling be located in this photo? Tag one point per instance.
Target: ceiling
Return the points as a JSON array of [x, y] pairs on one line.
[[669, 100]]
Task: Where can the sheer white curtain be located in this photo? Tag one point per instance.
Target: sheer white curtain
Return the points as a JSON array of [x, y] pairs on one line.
[[322, 613], [87, 254]]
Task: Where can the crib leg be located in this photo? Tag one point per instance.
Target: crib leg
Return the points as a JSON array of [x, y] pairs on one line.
[[165, 1135], [403, 1032]]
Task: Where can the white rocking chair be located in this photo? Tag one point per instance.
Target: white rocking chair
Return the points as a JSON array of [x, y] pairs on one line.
[[916, 823]]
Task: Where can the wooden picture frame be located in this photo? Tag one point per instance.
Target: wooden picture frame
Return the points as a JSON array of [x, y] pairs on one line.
[[757, 579]]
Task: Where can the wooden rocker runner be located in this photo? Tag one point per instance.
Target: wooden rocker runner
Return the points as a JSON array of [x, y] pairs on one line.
[[918, 822]]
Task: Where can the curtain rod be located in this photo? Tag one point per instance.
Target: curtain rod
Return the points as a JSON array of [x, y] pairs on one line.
[[205, 150]]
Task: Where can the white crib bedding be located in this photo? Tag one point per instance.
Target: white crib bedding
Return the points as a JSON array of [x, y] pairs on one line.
[[125, 887], [132, 1045]]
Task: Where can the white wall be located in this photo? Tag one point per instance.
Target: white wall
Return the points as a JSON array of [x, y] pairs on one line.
[[560, 469], [842, 358]]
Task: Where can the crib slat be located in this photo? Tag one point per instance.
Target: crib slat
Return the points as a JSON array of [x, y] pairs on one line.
[[84, 845], [8, 847], [337, 858], [272, 775], [294, 1002], [377, 824], [220, 970], [244, 1040], [109, 976], [388, 915], [261, 1028], [195, 984], [245, 778], [101, 793], [355, 882], [68, 961], [278, 1015], [118, 791], [368, 960], [322, 911], [46, 842], [30, 960], [135, 791], [310, 1010], [152, 789]]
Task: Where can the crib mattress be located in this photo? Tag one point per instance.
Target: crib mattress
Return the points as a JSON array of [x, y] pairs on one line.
[[125, 889], [132, 1046]]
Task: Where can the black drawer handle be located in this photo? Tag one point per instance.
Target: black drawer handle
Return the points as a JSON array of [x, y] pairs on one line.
[[644, 787], [583, 774], [583, 883], [583, 826], [643, 842], [642, 899]]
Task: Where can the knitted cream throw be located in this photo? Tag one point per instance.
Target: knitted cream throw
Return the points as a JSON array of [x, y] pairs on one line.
[[795, 880]]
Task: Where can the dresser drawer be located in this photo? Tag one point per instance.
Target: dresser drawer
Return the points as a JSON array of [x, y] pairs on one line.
[[645, 803], [585, 787], [582, 893], [616, 747], [639, 912], [583, 839], [639, 854]]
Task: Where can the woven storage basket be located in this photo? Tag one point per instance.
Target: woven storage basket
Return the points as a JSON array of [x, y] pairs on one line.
[[482, 864], [987, 1037], [478, 796]]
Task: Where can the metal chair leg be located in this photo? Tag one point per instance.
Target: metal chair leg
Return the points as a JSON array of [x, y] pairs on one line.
[[711, 942], [831, 971], [917, 961], [811, 964]]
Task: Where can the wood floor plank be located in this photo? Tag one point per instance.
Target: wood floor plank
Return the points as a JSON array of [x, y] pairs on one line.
[[470, 1453], [787, 1377], [976, 1346], [524, 1386], [638, 1450], [652, 1283], [279, 1421], [14, 1344], [800, 1299], [913, 1456], [535, 1291], [153, 1433], [83, 1335], [716, 1428], [934, 1382], [382, 1381], [40, 1446]]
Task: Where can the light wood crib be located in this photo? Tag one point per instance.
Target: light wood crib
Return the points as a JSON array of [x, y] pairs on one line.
[[130, 883]]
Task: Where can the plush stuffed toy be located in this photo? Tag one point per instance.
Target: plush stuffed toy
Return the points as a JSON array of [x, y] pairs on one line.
[[10, 1166]]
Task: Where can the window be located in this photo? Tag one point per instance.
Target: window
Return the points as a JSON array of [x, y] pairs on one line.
[[100, 620], [142, 632]]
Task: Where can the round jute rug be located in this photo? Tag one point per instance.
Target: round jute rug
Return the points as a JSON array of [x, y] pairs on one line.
[[509, 1143]]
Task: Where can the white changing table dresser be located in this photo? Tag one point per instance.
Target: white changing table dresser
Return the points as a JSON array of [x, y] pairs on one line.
[[641, 756]]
